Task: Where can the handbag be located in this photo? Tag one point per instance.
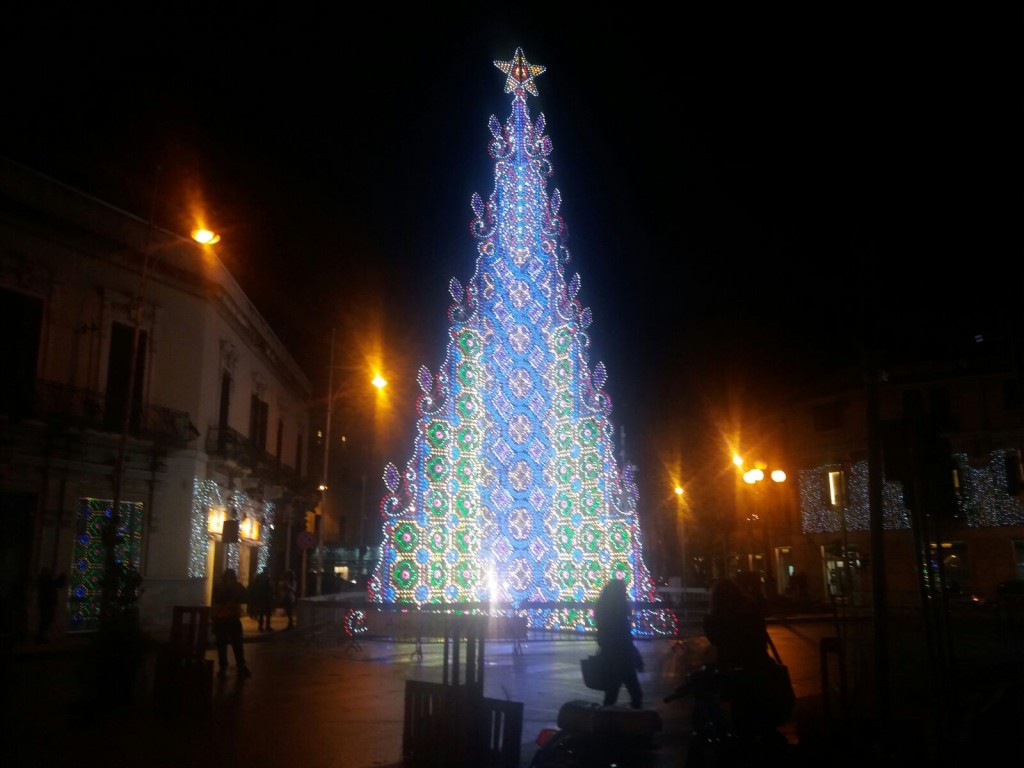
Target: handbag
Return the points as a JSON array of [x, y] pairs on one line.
[[595, 672], [777, 698]]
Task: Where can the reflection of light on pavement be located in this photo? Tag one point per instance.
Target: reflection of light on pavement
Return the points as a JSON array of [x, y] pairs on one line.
[[492, 583]]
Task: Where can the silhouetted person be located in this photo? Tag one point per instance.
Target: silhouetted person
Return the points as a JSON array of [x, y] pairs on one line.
[[735, 626], [226, 611], [752, 584], [615, 640], [261, 598], [799, 582], [47, 589], [286, 594]]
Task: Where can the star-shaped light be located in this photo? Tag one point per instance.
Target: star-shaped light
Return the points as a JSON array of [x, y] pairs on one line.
[[520, 74]]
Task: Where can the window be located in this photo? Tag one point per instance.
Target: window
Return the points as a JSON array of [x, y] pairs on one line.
[[1012, 394], [280, 439], [939, 407], [828, 416], [913, 404], [1014, 471], [225, 410], [119, 366], [259, 413], [836, 488], [950, 565], [21, 317]]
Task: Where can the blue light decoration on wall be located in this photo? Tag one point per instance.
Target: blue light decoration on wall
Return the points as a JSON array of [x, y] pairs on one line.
[[85, 600], [513, 496]]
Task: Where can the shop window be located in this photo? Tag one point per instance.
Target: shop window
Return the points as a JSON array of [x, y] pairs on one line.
[[837, 488]]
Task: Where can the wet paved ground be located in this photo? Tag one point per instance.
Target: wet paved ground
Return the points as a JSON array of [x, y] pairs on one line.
[[315, 700], [311, 701]]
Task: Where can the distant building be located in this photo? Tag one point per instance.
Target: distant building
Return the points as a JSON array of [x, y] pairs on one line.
[[214, 446], [947, 471]]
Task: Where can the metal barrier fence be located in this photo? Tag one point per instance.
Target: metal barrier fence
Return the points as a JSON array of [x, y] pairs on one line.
[[355, 617]]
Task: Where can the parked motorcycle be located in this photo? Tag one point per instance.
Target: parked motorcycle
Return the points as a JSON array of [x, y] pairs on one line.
[[591, 735]]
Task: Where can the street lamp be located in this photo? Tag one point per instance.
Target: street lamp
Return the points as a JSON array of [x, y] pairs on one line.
[[204, 236], [682, 542], [110, 534], [755, 478], [379, 382]]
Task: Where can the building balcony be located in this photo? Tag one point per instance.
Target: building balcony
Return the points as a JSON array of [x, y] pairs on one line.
[[65, 409], [231, 446]]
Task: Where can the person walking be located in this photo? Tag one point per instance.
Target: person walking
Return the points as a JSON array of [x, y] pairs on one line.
[[226, 611], [286, 594], [615, 641], [263, 600]]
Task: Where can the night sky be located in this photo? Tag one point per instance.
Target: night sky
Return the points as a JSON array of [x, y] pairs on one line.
[[742, 189]]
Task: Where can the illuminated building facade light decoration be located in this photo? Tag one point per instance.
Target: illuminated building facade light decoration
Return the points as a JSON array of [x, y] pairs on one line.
[[89, 558], [206, 498], [269, 515], [983, 501], [513, 495], [209, 510]]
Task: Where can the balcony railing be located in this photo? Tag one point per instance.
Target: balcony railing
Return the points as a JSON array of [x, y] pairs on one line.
[[231, 445], [62, 407]]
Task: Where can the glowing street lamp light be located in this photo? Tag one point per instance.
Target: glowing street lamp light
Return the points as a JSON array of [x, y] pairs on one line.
[[205, 236], [682, 541], [379, 382], [754, 477]]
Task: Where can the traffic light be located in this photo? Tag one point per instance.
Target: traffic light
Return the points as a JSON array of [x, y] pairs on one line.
[[311, 521]]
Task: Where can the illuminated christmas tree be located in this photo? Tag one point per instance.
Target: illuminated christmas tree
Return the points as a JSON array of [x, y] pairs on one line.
[[514, 494]]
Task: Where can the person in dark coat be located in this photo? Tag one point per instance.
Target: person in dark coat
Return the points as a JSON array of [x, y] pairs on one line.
[[735, 626], [229, 594], [615, 641], [262, 598], [286, 594]]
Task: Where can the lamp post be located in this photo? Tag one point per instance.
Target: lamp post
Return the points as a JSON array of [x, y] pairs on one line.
[[682, 543], [379, 382], [755, 478], [323, 474], [110, 535]]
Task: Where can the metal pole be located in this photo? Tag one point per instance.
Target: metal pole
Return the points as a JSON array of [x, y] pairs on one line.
[[110, 534], [323, 476], [682, 546], [288, 549], [879, 593], [362, 522]]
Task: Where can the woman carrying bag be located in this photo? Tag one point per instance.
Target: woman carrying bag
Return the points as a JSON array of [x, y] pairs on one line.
[[620, 657]]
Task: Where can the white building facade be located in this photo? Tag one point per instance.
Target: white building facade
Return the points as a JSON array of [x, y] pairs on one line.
[[213, 440]]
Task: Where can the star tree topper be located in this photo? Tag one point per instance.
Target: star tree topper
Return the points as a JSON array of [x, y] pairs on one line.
[[520, 74]]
